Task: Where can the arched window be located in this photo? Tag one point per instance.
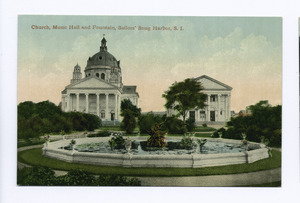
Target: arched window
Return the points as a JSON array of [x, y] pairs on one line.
[[97, 75], [102, 76]]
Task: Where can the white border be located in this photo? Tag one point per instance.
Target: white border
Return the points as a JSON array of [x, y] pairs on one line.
[[288, 9]]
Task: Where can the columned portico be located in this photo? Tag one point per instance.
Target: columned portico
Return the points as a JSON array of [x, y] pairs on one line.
[[217, 107], [99, 90]]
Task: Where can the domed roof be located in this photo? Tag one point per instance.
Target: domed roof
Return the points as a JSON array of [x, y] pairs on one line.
[[102, 58]]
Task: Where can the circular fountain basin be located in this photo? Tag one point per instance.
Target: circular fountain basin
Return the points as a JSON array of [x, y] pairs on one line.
[[96, 151]]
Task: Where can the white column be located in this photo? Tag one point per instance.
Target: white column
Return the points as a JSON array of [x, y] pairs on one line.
[[77, 102], [229, 114], [208, 108], [86, 103], [106, 107], [218, 109], [68, 102], [116, 106], [98, 113], [226, 107], [119, 107]]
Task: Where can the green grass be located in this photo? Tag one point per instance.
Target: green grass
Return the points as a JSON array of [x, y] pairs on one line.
[[203, 135], [110, 127], [34, 157], [204, 129]]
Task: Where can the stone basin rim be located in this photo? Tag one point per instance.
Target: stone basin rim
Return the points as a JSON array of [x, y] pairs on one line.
[[52, 150]]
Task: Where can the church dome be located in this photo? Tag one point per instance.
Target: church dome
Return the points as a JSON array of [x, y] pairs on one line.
[[102, 58]]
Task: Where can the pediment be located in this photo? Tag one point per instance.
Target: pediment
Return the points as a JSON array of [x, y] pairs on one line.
[[212, 84], [91, 82]]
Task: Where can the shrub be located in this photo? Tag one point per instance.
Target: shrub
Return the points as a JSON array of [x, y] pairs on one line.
[[275, 140], [204, 125], [117, 142], [186, 142], [190, 124], [215, 135], [36, 176], [157, 137], [146, 122], [128, 123], [104, 133], [76, 178], [43, 176], [174, 125], [231, 133]]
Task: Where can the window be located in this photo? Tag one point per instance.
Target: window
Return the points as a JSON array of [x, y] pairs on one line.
[[100, 57], [221, 112], [202, 114], [213, 98], [102, 76], [102, 115], [97, 75]]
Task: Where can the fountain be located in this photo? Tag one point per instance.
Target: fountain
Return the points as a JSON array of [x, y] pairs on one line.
[[117, 151]]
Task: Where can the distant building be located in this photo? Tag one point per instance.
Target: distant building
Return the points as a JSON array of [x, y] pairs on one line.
[[244, 113], [218, 102], [101, 90]]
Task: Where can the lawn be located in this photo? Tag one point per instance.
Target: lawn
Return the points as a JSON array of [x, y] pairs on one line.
[[34, 157]]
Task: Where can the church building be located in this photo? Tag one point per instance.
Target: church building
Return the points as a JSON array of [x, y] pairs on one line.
[[217, 108], [100, 90]]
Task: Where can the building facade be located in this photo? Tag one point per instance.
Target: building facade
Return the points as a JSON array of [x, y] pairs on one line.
[[101, 90], [217, 108]]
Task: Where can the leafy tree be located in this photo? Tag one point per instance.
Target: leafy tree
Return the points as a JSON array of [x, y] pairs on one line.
[[45, 117], [127, 105], [174, 125], [184, 96], [129, 113], [264, 123], [147, 121], [190, 124], [129, 121]]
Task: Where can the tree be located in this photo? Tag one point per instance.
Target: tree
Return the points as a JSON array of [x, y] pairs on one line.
[[264, 123], [127, 105], [129, 113], [184, 96]]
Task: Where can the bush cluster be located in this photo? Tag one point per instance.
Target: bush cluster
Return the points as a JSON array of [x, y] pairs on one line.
[[264, 124], [36, 119], [147, 121], [174, 125], [43, 176]]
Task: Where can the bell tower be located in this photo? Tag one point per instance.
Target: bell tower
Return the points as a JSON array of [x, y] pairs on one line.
[[77, 75]]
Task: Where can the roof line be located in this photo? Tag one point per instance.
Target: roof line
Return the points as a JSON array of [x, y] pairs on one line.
[[214, 80]]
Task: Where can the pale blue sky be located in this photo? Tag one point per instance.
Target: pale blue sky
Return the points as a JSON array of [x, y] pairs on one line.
[[242, 52]]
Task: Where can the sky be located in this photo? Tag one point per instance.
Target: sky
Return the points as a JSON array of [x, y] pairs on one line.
[[242, 52]]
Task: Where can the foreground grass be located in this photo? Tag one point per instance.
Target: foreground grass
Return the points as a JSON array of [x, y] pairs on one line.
[[34, 157]]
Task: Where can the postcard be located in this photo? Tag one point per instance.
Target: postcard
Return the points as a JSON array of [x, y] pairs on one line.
[[149, 101]]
